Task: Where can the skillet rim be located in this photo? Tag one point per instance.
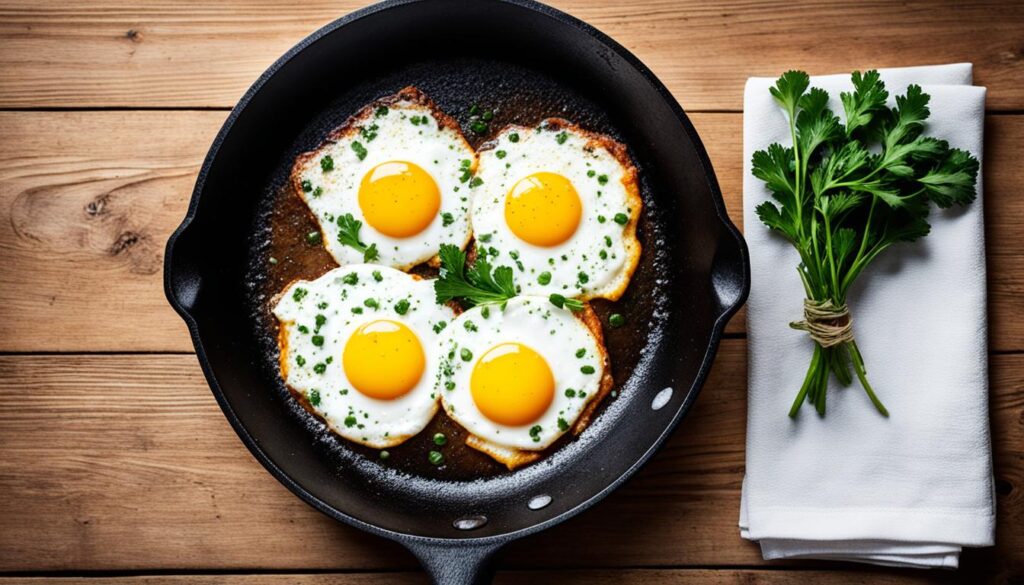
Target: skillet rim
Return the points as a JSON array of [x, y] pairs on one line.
[[730, 230]]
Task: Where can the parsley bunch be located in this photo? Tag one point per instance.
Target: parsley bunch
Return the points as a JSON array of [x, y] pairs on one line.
[[845, 193]]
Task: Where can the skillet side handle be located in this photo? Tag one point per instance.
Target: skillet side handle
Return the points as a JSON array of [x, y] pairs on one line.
[[455, 563], [730, 272], [182, 279]]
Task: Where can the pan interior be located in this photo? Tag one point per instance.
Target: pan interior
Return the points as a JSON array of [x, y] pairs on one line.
[[526, 66]]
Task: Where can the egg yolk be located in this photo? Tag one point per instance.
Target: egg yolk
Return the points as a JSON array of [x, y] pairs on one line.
[[512, 384], [399, 199], [543, 209], [383, 359]]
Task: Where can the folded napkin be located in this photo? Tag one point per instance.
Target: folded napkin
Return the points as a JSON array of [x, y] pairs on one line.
[[908, 490]]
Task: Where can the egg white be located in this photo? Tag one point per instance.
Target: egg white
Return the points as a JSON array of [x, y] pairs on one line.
[[387, 132], [341, 297], [553, 333], [598, 260]]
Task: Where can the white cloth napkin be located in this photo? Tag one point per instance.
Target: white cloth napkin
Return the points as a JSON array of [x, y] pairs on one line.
[[908, 490]]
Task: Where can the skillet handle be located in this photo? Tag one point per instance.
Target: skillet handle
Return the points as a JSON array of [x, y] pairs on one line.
[[455, 563], [730, 272], [181, 268]]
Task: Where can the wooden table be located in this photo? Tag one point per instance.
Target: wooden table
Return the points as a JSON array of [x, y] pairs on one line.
[[115, 461]]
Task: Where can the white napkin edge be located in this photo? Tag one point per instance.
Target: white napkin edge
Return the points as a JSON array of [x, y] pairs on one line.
[[811, 538]]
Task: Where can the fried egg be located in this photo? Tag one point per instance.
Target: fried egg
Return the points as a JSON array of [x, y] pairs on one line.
[[560, 204], [401, 168], [518, 378], [360, 345]]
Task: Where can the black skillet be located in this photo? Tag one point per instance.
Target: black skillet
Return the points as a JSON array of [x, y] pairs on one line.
[[528, 61]]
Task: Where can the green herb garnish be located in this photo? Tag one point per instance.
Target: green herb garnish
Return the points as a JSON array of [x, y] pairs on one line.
[[845, 194], [348, 235], [563, 303], [478, 284], [359, 149]]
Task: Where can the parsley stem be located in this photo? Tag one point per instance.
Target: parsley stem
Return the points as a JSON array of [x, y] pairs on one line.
[[812, 371], [858, 367], [831, 258]]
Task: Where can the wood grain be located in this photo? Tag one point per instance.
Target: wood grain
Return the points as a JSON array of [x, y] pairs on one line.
[[111, 462], [88, 199], [84, 53], [859, 576]]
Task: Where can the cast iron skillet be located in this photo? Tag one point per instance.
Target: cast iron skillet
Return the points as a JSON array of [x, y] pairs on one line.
[[530, 57]]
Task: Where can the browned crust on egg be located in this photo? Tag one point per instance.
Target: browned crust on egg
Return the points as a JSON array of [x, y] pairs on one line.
[[590, 318], [514, 458], [630, 181], [352, 125]]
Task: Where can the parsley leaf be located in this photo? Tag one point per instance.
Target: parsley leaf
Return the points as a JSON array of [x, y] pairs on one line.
[[476, 285], [348, 235]]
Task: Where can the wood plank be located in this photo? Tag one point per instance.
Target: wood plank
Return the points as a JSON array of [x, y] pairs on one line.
[[95, 189], [112, 462], [571, 577], [85, 53], [88, 201]]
